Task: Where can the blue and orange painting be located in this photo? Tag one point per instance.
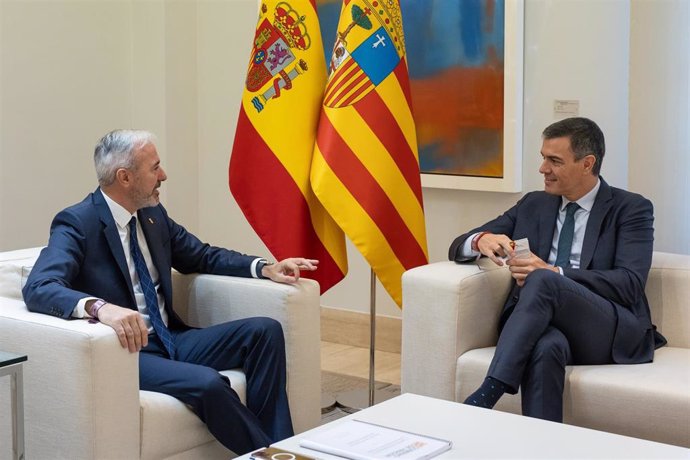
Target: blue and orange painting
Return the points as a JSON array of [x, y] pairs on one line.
[[455, 52]]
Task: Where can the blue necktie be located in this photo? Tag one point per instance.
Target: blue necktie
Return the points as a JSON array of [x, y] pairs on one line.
[[565, 240], [149, 289]]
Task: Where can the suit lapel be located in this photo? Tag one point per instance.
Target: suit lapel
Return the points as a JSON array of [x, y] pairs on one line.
[[112, 236], [547, 225], [602, 205]]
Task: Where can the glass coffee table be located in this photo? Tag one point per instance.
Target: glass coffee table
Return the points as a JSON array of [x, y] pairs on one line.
[[11, 364]]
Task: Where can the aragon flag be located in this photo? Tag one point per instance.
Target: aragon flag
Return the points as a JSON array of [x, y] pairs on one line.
[[365, 168], [272, 153]]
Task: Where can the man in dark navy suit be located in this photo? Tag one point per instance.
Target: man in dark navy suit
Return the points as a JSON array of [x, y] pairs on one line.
[[110, 257], [578, 295]]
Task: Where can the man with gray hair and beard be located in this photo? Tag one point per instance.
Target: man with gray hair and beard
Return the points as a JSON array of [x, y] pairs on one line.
[[110, 257]]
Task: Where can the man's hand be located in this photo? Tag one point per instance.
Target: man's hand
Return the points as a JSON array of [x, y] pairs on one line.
[[128, 324], [520, 267], [287, 270], [495, 247]]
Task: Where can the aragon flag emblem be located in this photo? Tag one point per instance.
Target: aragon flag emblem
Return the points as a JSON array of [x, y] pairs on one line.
[[366, 51]]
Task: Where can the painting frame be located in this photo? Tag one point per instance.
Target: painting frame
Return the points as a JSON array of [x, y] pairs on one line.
[[512, 116]]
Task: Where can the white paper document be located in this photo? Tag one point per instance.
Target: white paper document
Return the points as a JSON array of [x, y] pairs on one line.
[[522, 248], [360, 440]]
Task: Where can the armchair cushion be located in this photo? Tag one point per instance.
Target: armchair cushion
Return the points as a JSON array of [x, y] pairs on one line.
[[609, 397], [161, 415], [14, 269]]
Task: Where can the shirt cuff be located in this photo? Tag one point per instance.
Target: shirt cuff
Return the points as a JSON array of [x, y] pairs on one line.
[[467, 247], [80, 310], [257, 266]]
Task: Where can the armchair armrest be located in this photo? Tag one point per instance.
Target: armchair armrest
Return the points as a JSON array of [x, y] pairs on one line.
[[81, 388], [204, 300], [448, 309], [668, 291]]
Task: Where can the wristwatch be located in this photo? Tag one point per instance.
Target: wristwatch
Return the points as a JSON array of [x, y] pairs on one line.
[[97, 306], [260, 266]]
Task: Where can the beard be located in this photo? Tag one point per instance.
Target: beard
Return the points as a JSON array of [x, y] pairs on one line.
[[145, 199]]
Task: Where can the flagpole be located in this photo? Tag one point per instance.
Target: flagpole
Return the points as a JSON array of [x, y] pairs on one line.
[[357, 399], [372, 335]]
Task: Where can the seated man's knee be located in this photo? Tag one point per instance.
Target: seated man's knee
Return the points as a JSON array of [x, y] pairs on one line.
[[211, 382], [543, 277], [209, 387], [268, 327]]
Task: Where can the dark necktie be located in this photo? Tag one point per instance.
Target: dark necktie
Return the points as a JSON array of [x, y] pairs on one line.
[[565, 240], [149, 289]]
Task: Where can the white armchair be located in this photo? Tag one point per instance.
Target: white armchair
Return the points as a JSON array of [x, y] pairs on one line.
[[450, 319], [81, 389]]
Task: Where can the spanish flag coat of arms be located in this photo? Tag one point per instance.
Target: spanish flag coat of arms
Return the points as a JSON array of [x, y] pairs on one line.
[[271, 157]]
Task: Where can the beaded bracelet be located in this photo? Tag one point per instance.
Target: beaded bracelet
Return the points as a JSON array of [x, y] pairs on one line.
[[475, 241]]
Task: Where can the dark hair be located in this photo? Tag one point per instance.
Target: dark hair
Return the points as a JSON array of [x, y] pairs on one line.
[[585, 137]]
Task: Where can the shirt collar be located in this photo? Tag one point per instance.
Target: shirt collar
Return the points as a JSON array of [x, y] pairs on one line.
[[120, 214], [587, 201]]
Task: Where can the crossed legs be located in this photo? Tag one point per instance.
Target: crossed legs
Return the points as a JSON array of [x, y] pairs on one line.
[[556, 322]]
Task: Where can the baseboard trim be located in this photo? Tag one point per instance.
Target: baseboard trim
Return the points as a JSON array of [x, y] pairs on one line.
[[349, 327]]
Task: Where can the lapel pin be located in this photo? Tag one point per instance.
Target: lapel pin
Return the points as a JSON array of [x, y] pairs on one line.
[[150, 220]]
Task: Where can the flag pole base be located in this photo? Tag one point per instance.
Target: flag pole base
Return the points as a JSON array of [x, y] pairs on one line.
[[328, 403], [358, 399]]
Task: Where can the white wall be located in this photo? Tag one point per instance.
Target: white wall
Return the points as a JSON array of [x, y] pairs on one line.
[[225, 34], [57, 95], [660, 116], [70, 71]]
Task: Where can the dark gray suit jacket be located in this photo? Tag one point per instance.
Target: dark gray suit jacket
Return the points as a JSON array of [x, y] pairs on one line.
[[615, 261]]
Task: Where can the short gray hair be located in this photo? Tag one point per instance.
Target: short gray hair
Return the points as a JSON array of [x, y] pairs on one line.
[[116, 150]]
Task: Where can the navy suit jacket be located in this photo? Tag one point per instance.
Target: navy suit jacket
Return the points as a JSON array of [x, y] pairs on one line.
[[85, 258], [615, 260]]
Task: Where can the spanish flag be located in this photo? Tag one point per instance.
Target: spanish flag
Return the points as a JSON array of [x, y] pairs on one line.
[[274, 142], [365, 168]]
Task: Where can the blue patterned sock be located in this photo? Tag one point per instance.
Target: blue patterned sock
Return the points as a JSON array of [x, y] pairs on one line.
[[488, 393]]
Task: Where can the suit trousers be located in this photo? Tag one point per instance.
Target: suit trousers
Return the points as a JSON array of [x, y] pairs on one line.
[[555, 322], [257, 346]]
